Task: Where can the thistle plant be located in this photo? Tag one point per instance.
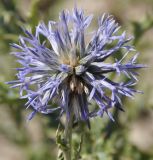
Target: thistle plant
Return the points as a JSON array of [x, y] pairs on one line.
[[64, 63]]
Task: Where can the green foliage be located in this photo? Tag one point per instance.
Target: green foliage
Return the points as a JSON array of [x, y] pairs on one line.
[[139, 28], [105, 141]]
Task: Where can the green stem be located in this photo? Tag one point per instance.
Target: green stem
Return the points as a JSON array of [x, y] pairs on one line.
[[68, 137]]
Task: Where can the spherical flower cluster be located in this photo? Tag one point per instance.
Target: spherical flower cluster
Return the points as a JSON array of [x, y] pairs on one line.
[[63, 62]]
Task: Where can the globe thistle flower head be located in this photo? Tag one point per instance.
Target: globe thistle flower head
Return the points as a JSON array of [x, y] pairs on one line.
[[71, 69]]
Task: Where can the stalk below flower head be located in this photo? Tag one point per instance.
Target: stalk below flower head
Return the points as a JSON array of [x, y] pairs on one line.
[[74, 70]]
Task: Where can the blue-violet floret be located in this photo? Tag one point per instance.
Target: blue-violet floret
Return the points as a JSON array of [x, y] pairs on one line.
[[65, 63]]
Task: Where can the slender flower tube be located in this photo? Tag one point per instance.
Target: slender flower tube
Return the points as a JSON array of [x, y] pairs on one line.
[[62, 61]]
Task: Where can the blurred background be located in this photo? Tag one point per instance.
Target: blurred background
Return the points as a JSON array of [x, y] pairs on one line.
[[129, 138]]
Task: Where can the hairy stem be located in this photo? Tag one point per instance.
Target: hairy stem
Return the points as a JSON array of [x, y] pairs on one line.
[[68, 137]]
